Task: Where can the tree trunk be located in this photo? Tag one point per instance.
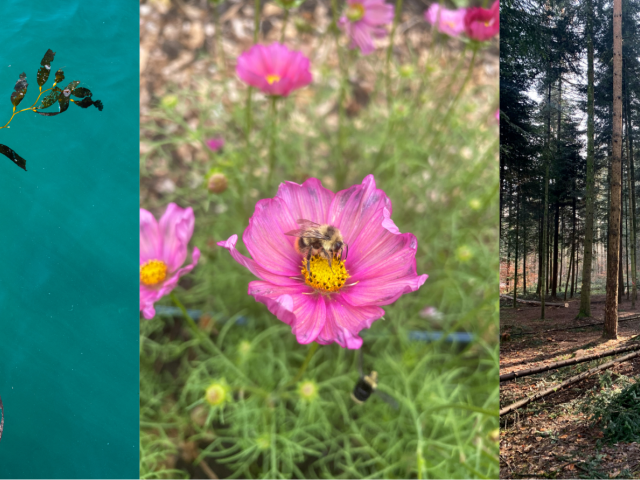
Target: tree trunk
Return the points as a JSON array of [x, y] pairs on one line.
[[543, 290], [573, 245], [515, 271], [611, 306], [524, 253], [565, 363], [561, 246], [556, 236], [620, 264], [540, 247], [631, 229], [585, 291], [570, 381]]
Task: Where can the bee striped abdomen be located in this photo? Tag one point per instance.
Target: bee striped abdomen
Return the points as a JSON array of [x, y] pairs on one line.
[[363, 390]]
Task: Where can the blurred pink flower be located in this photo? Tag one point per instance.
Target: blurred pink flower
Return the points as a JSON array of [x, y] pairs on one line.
[[449, 22], [482, 24], [329, 304], [498, 114], [163, 250], [215, 144], [364, 19], [274, 69]]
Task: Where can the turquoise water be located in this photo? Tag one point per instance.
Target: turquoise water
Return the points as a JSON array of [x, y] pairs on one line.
[[69, 246]]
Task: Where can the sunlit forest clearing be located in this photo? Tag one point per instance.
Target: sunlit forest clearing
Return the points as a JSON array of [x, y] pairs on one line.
[[570, 355]]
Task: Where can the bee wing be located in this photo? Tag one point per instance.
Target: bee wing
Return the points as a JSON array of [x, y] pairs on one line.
[[307, 224], [302, 233], [387, 398]]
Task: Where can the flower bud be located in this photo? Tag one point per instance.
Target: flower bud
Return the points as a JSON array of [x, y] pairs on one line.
[[169, 101], [217, 183], [217, 393], [464, 253], [308, 390], [244, 347], [407, 70]]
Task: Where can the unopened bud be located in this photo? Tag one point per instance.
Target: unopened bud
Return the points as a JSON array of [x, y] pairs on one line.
[[217, 183], [216, 393], [308, 390]]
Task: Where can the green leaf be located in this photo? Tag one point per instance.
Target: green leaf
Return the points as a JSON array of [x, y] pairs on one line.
[[51, 98], [48, 58], [59, 76], [20, 90], [45, 69], [14, 157], [87, 102], [82, 92], [63, 102]]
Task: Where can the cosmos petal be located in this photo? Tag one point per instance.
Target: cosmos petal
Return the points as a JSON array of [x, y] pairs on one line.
[[344, 322], [150, 238], [305, 313], [258, 270], [275, 60], [266, 240], [352, 209], [309, 201], [176, 228]]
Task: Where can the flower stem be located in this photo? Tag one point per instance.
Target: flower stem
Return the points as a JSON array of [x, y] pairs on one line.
[[341, 171], [218, 37], [213, 348], [273, 113], [256, 20], [463, 86], [256, 30], [284, 25], [396, 19], [305, 364]]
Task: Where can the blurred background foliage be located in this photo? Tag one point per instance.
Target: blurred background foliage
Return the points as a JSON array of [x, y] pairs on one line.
[[419, 115]]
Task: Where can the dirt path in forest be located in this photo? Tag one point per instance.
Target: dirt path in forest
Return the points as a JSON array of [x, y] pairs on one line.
[[552, 437]]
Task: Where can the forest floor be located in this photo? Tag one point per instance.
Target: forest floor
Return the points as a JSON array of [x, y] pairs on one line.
[[558, 436]]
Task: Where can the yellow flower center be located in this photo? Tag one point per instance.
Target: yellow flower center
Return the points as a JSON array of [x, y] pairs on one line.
[[322, 277], [153, 272], [355, 12], [488, 23], [271, 79]]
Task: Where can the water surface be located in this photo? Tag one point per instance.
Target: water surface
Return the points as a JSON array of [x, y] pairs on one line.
[[69, 246]]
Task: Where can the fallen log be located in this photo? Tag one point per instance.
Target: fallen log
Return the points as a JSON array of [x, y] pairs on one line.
[[565, 363], [534, 302], [570, 381], [515, 334]]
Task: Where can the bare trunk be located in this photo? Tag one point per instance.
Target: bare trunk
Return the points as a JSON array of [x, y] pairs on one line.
[[611, 306], [585, 291], [515, 271], [631, 229]]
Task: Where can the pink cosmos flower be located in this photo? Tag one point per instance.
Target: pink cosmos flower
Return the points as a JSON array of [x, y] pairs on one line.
[[274, 69], [482, 24], [328, 304], [449, 22], [163, 250], [498, 115], [215, 144], [363, 20]]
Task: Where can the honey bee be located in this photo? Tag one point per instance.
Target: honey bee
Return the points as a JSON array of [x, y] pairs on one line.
[[316, 239]]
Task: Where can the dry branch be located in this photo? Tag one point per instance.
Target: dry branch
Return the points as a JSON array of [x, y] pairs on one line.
[[564, 363], [570, 381], [534, 302]]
